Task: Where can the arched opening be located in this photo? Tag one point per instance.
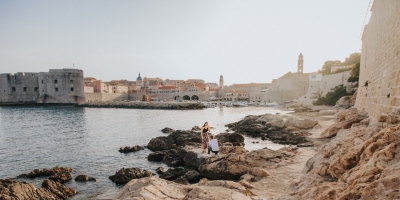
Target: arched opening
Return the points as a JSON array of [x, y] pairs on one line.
[[186, 97], [195, 97], [176, 97]]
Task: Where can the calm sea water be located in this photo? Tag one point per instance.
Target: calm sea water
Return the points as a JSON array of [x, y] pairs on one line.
[[88, 139]]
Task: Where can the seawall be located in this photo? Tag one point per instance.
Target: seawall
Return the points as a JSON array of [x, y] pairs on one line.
[[145, 105]]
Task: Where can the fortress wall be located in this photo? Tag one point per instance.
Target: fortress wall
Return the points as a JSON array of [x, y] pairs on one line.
[[379, 85]]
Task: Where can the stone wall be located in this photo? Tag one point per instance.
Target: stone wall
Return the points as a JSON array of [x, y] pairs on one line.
[[98, 97], [325, 85], [379, 85], [55, 86]]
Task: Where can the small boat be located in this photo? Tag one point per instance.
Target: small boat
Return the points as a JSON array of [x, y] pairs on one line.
[[243, 104], [236, 104], [228, 104]]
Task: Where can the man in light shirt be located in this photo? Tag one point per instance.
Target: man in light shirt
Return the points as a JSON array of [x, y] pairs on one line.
[[213, 145]]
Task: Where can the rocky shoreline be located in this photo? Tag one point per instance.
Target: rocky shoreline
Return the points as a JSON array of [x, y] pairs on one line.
[[145, 105], [336, 155]]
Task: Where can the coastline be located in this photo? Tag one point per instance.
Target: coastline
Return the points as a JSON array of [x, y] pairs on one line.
[[145, 105]]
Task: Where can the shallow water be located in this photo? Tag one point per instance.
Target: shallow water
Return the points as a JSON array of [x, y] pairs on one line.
[[88, 139]]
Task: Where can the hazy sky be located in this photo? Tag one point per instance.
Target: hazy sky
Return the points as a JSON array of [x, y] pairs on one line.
[[245, 41]]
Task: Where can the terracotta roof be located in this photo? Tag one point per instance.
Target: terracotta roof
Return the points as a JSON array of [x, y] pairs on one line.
[[246, 85], [167, 87], [199, 88]]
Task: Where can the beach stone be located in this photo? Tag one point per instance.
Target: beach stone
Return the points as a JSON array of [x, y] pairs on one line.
[[174, 157]]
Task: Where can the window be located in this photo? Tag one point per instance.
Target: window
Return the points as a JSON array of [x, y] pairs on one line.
[[13, 89], [56, 89], [25, 89], [55, 81], [71, 81], [313, 76], [72, 89], [42, 81], [36, 89]]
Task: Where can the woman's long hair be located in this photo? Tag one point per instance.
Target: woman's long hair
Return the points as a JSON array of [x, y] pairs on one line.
[[205, 124]]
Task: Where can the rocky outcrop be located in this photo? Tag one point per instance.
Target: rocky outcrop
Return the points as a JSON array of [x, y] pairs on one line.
[[10, 189], [84, 178], [192, 159], [173, 140], [196, 128], [173, 173], [155, 188], [145, 105], [345, 102], [235, 139], [128, 149], [346, 119], [124, 175], [233, 166], [361, 162], [167, 130], [281, 129], [59, 174]]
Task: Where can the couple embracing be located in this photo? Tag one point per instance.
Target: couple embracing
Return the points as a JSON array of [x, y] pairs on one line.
[[206, 143]]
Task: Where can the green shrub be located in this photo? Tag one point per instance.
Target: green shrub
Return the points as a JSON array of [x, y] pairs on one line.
[[332, 97]]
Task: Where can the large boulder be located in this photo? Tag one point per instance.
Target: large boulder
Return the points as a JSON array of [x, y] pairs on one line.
[[124, 175], [346, 120], [192, 159], [302, 123], [174, 157], [161, 143], [173, 173], [84, 178], [234, 138], [175, 139], [156, 156], [344, 102], [10, 189], [192, 176], [233, 166], [156, 188]]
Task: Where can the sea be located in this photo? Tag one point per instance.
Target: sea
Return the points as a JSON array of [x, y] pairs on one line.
[[88, 139]]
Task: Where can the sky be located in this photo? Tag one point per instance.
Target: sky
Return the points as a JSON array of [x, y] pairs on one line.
[[245, 41]]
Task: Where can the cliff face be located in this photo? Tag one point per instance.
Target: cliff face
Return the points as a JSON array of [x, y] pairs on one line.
[[361, 162]]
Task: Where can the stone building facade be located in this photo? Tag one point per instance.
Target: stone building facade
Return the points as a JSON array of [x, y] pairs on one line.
[[379, 83], [55, 86]]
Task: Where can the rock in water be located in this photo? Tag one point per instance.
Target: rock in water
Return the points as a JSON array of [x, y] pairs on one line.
[[130, 149], [235, 138], [124, 175], [84, 178], [167, 130]]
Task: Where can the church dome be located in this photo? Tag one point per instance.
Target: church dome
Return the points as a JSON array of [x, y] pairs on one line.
[[139, 78]]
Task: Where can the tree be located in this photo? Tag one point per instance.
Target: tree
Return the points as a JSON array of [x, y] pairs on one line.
[[326, 68], [332, 97], [352, 59], [355, 70]]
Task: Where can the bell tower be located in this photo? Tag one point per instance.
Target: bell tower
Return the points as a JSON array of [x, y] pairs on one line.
[[221, 82], [300, 64]]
